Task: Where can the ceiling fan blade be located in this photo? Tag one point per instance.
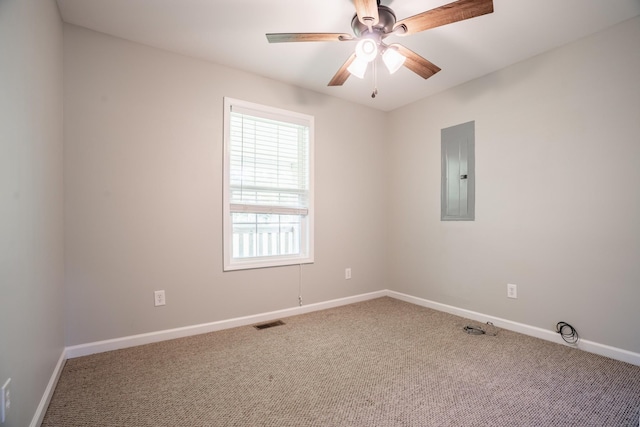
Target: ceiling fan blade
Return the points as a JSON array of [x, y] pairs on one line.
[[343, 74], [367, 11], [416, 63], [447, 14], [308, 37]]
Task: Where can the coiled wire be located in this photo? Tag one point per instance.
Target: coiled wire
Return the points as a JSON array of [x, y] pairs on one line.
[[567, 332]]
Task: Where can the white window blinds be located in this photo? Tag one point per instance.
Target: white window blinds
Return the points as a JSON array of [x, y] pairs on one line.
[[269, 162]]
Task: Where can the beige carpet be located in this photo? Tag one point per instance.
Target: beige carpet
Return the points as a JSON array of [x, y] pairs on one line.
[[377, 363]]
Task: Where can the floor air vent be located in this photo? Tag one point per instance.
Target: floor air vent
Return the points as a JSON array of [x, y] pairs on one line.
[[269, 325]]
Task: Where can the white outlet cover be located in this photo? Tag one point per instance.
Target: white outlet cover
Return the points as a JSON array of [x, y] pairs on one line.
[[512, 290], [159, 298]]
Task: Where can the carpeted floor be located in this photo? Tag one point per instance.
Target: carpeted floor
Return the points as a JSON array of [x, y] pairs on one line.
[[377, 363]]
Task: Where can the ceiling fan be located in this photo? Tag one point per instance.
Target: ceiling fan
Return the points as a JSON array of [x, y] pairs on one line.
[[374, 22]]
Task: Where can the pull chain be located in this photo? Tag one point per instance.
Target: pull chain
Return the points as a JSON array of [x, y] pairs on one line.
[[375, 79]]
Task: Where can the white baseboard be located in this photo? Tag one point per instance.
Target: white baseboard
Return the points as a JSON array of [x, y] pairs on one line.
[[151, 337], [41, 410], [549, 335]]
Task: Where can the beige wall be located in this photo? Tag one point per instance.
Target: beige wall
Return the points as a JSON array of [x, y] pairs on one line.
[[31, 222], [558, 205], [143, 181]]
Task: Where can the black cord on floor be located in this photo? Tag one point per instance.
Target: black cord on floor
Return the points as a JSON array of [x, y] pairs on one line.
[[567, 332], [477, 330], [474, 330]]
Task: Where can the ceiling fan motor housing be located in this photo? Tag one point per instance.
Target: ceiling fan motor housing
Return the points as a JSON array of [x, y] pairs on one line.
[[386, 21]]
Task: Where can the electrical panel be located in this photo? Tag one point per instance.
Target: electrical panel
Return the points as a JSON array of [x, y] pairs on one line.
[[458, 173]]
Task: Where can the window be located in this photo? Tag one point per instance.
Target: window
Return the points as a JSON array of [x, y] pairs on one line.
[[268, 186]]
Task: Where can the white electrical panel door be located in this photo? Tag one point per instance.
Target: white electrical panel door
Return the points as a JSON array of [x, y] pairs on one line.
[[458, 173]]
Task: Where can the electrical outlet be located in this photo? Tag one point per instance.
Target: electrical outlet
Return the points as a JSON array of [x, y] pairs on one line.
[[159, 298], [512, 291], [347, 273], [5, 400]]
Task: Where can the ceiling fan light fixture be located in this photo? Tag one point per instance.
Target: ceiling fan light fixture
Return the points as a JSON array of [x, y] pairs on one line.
[[367, 49], [358, 67], [393, 59]]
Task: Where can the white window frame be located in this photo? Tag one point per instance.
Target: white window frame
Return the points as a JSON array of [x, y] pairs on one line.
[[307, 226]]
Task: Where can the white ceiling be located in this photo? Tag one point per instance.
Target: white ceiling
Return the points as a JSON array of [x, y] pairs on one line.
[[232, 33]]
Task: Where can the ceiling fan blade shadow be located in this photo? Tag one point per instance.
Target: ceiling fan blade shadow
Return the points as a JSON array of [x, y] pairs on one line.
[[343, 74], [416, 63], [308, 37], [367, 11], [447, 14]]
